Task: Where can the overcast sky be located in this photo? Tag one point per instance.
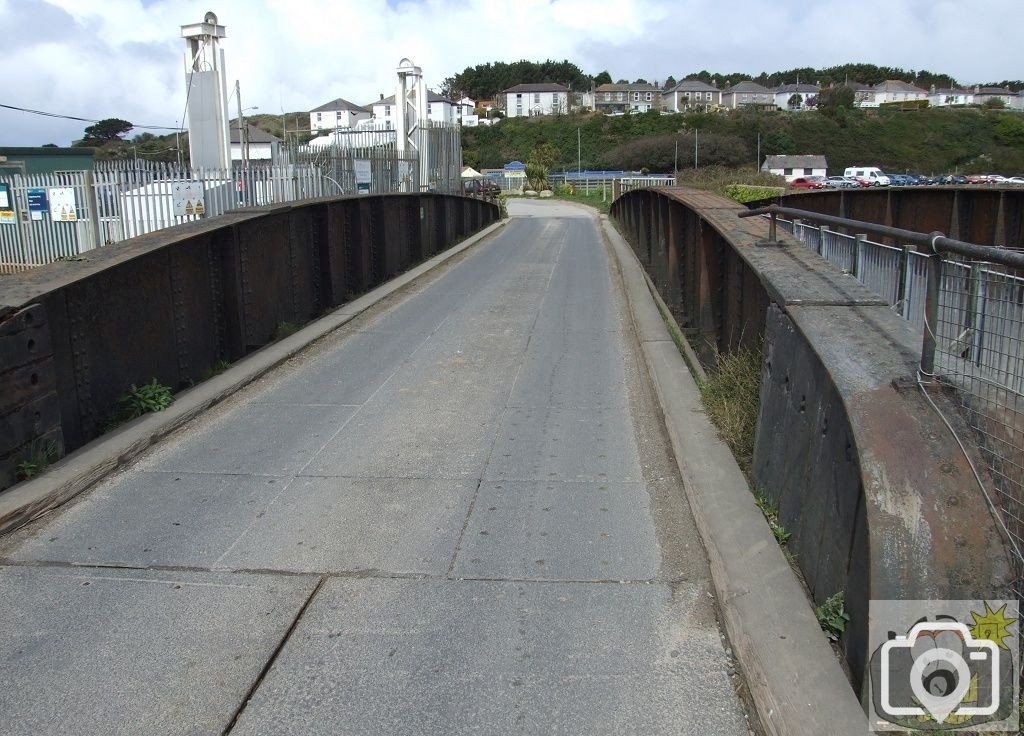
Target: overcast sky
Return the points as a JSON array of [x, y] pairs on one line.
[[124, 58]]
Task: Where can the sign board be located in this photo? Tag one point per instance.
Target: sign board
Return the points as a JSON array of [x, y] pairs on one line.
[[37, 203], [62, 204], [364, 175], [7, 216], [187, 198]]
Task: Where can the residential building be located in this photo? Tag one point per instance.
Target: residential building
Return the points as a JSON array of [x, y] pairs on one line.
[[439, 110], [748, 94], [339, 113], [949, 97], [543, 98], [863, 95], [616, 99], [463, 109], [692, 95], [795, 96], [895, 90], [1009, 98], [793, 166], [262, 146]]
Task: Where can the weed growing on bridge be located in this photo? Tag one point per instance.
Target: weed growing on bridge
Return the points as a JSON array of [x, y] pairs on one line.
[[771, 514], [832, 616], [732, 397], [40, 457], [284, 329], [149, 397]]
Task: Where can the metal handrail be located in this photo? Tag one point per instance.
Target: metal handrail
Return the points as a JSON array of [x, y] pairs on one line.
[[935, 244]]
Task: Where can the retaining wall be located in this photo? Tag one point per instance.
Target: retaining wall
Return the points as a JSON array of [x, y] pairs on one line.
[[878, 496], [172, 304]]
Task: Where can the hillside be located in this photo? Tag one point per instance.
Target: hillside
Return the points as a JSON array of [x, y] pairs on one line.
[[927, 141]]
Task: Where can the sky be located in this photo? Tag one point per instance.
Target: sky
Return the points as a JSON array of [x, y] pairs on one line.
[[100, 59]]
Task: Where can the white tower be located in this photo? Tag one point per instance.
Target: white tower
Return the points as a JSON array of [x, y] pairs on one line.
[[411, 104], [206, 85]]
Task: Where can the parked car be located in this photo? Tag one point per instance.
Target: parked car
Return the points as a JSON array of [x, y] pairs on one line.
[[841, 182], [807, 182], [996, 179], [953, 179], [902, 180], [977, 178], [1016, 181]]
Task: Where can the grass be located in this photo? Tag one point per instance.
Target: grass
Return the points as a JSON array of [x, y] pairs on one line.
[[285, 329], [145, 399], [771, 515], [40, 457], [732, 395], [593, 199]]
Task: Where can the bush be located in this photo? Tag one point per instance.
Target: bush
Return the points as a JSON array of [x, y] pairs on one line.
[[747, 193]]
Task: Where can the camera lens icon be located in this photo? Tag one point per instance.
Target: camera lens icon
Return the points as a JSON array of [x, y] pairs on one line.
[[940, 676]]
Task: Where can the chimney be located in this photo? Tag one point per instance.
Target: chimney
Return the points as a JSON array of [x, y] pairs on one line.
[[382, 95]]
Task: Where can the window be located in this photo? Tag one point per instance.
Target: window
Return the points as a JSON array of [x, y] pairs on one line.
[[519, 111], [387, 110], [650, 96], [536, 98], [636, 96], [607, 96], [787, 172], [708, 97], [319, 116]]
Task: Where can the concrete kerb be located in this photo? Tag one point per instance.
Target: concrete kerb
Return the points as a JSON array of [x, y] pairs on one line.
[[795, 680], [86, 466]]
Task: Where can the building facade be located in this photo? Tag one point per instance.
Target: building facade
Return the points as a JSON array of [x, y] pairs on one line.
[[336, 114], [618, 99], [544, 98], [748, 94], [692, 95]]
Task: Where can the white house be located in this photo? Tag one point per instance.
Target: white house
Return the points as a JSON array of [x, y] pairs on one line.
[[545, 98], [1009, 98], [795, 96], [464, 108], [895, 90], [949, 97], [439, 109], [793, 166], [339, 113], [692, 95], [262, 146]]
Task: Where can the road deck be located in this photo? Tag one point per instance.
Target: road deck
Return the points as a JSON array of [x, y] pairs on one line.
[[458, 514]]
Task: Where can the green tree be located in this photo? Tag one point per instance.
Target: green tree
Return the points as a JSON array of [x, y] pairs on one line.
[[1010, 130], [603, 78], [670, 82], [831, 99], [104, 131]]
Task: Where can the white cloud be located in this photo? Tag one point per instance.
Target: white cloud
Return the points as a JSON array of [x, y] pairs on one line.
[[123, 58]]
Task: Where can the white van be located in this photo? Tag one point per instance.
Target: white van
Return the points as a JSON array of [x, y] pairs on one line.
[[871, 174]]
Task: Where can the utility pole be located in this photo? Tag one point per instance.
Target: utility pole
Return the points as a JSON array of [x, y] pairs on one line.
[[579, 152], [757, 165], [675, 167], [241, 125], [695, 131]]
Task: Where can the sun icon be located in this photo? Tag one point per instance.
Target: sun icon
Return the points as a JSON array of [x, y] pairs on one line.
[[993, 625]]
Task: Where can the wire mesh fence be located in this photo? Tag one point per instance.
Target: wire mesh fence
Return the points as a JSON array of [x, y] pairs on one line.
[[979, 349], [65, 214]]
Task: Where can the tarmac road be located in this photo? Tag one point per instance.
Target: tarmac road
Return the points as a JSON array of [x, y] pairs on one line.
[[456, 515]]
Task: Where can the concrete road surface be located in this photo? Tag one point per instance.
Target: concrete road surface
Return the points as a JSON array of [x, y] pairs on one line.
[[457, 515]]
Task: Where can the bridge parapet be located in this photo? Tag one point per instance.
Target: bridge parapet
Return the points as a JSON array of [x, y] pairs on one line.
[[176, 303], [873, 487]]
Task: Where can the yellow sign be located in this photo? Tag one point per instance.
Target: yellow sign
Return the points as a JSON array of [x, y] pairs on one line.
[[7, 217]]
